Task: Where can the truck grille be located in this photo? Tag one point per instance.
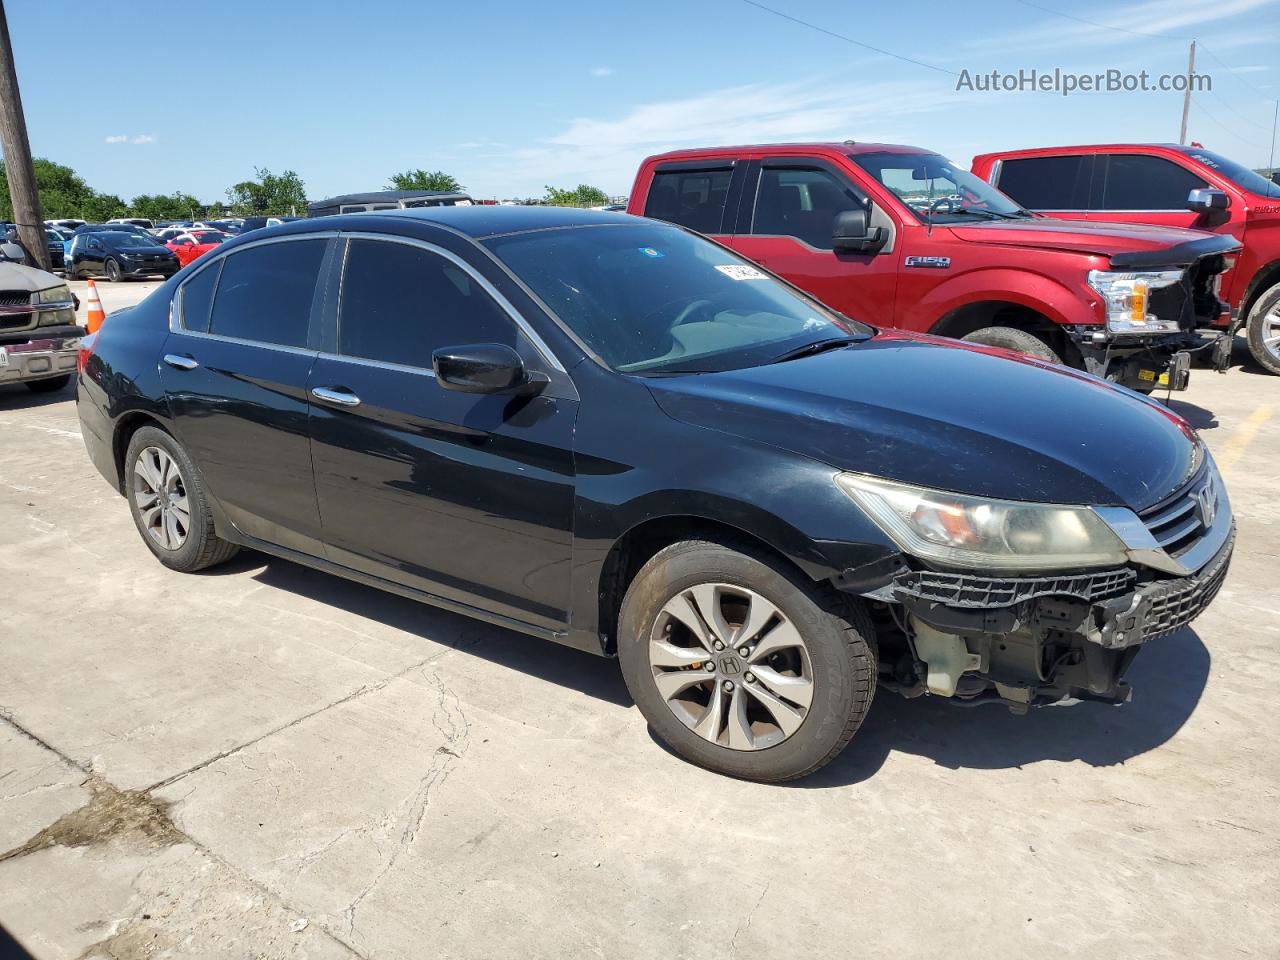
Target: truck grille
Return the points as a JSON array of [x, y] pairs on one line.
[[963, 590], [14, 298], [1180, 521]]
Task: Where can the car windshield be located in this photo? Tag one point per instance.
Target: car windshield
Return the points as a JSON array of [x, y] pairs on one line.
[[936, 191], [652, 299], [1237, 173], [209, 237]]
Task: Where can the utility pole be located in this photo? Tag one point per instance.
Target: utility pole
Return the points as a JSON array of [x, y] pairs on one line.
[[17, 154], [1186, 95]]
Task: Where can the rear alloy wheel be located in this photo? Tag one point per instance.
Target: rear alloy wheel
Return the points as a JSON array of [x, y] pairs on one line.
[[112, 271], [1010, 338], [1264, 330], [741, 666], [168, 503]]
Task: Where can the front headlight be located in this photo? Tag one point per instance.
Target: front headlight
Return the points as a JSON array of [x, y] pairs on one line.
[[58, 294], [956, 530], [1128, 296]]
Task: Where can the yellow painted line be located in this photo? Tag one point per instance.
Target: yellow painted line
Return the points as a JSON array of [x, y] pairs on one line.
[[1239, 441]]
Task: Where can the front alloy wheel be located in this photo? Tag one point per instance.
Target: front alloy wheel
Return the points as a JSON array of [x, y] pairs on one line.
[[161, 496], [731, 666], [1263, 331]]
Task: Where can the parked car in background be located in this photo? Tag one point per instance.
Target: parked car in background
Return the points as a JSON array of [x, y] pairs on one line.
[[1171, 185], [762, 508], [67, 225], [39, 337], [190, 246], [118, 255], [234, 227], [898, 235], [136, 221], [387, 200], [57, 246]]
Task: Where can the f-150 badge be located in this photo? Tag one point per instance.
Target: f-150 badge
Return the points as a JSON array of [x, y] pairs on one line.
[[939, 263]]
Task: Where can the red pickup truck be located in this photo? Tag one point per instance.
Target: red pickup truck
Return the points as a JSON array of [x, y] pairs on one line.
[[1171, 185], [899, 236]]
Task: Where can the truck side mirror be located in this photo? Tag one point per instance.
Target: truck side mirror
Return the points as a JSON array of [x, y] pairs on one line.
[[852, 233], [1207, 200], [11, 251], [1275, 176]]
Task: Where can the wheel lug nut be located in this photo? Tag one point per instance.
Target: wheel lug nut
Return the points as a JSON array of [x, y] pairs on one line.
[[728, 685], [750, 678], [745, 651], [718, 645], [711, 665]]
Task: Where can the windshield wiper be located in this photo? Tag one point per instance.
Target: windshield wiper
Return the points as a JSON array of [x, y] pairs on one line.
[[818, 346], [992, 214]]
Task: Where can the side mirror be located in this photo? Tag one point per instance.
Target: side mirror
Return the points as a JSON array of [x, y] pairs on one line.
[[482, 368], [851, 233], [11, 251], [1275, 176], [1206, 200]]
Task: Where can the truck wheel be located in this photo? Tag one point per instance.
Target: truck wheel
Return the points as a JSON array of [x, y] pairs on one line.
[[1013, 339], [49, 385], [112, 271], [1264, 330], [169, 505], [742, 667]]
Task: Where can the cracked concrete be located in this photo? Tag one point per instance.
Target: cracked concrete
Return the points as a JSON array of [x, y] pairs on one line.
[[194, 766]]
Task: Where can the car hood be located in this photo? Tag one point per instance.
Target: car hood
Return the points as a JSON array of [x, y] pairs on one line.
[[969, 419], [1079, 236], [15, 276]]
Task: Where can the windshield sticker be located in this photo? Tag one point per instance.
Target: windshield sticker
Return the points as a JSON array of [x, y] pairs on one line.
[[740, 271], [650, 252]]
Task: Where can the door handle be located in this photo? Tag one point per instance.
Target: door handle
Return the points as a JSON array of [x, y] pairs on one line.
[[344, 398], [181, 361]]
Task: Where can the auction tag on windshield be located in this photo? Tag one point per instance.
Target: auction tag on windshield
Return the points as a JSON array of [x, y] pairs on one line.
[[740, 271]]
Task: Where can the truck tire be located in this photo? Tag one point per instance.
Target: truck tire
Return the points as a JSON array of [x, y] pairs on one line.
[[781, 710], [169, 506], [1010, 338], [1263, 330]]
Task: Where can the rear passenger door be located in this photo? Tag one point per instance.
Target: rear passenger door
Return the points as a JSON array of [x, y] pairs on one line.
[[465, 496], [1058, 186], [241, 344], [699, 194], [788, 211]]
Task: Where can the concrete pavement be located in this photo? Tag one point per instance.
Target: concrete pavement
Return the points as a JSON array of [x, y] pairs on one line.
[[265, 761]]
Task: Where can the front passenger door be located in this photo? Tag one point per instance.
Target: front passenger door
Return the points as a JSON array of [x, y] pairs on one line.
[[465, 496]]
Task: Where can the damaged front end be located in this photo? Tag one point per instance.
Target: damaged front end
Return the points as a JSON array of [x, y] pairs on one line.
[[1034, 640]]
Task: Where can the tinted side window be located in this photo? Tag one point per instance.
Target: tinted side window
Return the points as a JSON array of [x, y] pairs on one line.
[[400, 302], [801, 204], [1048, 183], [197, 298], [1145, 183], [265, 292], [691, 198]]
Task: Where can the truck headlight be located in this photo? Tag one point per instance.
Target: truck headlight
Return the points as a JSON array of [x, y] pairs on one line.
[[956, 530], [59, 294], [1128, 296]]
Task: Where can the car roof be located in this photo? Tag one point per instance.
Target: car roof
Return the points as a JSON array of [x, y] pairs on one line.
[[848, 147], [1088, 147], [475, 222], [383, 195]]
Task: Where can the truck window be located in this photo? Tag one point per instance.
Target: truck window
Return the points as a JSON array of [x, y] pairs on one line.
[[801, 204], [1132, 182], [1048, 183], [691, 198]]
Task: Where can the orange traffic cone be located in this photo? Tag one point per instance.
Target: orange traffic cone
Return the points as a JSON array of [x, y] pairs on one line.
[[96, 313]]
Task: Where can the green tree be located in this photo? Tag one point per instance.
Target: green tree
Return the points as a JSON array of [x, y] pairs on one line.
[[583, 195], [425, 180], [269, 194], [63, 193], [175, 206]]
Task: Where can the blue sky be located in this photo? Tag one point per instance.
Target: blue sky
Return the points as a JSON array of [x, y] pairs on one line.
[[510, 96]]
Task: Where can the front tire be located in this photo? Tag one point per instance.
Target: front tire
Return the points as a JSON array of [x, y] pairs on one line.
[[1263, 330], [1010, 338], [169, 505], [788, 685], [111, 270]]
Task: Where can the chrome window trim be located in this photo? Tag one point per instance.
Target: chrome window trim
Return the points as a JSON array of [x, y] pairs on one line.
[[379, 364], [503, 303], [175, 316]]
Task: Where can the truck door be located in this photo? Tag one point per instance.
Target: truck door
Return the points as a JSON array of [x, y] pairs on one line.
[[1058, 186], [785, 221], [699, 194]]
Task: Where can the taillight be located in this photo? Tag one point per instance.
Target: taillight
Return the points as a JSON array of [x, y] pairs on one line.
[[85, 352]]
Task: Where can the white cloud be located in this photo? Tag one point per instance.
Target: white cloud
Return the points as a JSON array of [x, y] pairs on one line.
[[602, 71], [120, 138], [1255, 68], [143, 138]]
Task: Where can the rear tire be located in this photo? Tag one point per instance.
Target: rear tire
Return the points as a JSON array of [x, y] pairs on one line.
[[169, 505], [49, 385], [1010, 338], [810, 660], [1263, 330], [111, 270]]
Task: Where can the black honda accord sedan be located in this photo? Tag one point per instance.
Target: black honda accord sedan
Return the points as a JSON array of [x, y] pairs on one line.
[[615, 434]]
